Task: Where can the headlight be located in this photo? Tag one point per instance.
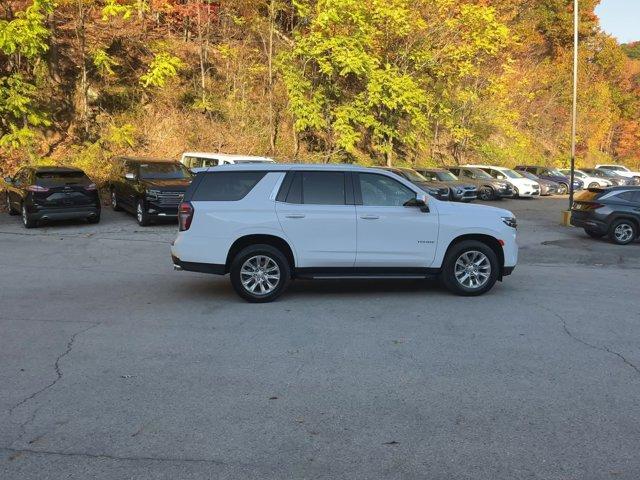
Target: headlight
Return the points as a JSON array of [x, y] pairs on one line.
[[510, 222], [153, 193]]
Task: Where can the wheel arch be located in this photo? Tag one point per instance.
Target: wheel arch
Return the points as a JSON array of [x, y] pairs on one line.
[[492, 242], [266, 239], [631, 218]]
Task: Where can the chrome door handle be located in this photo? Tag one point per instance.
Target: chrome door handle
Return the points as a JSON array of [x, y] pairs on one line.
[[295, 215], [370, 217]]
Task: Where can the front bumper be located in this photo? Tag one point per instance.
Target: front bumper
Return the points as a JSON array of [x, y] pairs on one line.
[[161, 210], [465, 196]]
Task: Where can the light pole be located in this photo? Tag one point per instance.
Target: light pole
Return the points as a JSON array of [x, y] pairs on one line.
[[574, 117]]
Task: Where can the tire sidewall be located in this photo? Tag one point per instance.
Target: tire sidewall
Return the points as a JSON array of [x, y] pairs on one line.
[[448, 271], [268, 251], [144, 219]]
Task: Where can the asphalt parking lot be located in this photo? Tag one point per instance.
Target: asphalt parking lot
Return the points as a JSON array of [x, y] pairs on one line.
[[113, 366]]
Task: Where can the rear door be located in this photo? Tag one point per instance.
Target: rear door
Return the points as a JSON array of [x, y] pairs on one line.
[[317, 214], [391, 235]]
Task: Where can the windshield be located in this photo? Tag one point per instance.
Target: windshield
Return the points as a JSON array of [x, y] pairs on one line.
[[615, 168], [446, 176], [412, 175], [480, 173], [163, 171], [511, 173], [556, 172]]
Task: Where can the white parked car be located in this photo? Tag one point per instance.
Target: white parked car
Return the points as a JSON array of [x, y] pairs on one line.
[[622, 171], [267, 224], [588, 180], [522, 186], [200, 161]]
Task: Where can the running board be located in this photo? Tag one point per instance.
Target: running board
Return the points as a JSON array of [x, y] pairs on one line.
[[366, 273]]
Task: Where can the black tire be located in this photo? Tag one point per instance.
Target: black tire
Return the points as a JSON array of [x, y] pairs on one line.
[[10, 209], [143, 218], [623, 231], [94, 219], [516, 192], [563, 189], [593, 233], [487, 193], [27, 220], [449, 268], [114, 202], [259, 252]]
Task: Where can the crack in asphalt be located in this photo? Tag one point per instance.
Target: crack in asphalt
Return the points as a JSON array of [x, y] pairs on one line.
[[104, 456], [57, 368], [595, 347]]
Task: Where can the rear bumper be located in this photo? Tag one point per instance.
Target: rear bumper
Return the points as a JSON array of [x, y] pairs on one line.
[[68, 213], [578, 219], [212, 268]]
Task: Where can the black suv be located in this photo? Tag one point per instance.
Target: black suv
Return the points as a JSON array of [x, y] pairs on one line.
[[149, 188], [52, 193], [611, 211]]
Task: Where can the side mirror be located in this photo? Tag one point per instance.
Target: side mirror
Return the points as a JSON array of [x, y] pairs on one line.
[[9, 180], [130, 176], [421, 201]]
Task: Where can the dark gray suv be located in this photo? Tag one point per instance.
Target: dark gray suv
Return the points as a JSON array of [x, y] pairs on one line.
[[489, 188]]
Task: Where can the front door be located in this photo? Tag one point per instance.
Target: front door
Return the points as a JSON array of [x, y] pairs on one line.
[[391, 235], [319, 219]]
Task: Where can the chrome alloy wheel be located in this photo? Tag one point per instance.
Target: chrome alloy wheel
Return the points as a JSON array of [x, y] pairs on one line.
[[472, 269], [260, 275], [623, 233], [114, 200], [25, 215]]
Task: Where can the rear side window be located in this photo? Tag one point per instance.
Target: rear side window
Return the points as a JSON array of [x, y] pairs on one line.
[[315, 188], [323, 188], [226, 186], [627, 196]]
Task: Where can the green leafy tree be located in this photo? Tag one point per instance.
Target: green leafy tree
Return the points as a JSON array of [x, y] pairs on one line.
[[163, 67]]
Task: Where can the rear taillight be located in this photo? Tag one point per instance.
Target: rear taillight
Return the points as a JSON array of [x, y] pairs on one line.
[[91, 187], [37, 188], [185, 215]]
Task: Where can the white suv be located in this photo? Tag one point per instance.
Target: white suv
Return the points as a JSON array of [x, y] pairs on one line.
[[622, 171], [266, 224], [201, 161], [522, 186]]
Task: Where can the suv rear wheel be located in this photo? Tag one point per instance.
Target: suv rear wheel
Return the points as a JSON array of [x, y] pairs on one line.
[[470, 268], [260, 273], [623, 232]]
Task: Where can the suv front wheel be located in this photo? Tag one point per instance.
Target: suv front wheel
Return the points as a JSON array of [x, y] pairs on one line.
[[470, 268], [260, 273]]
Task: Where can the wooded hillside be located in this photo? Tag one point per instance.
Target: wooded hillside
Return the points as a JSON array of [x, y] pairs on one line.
[[382, 81]]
